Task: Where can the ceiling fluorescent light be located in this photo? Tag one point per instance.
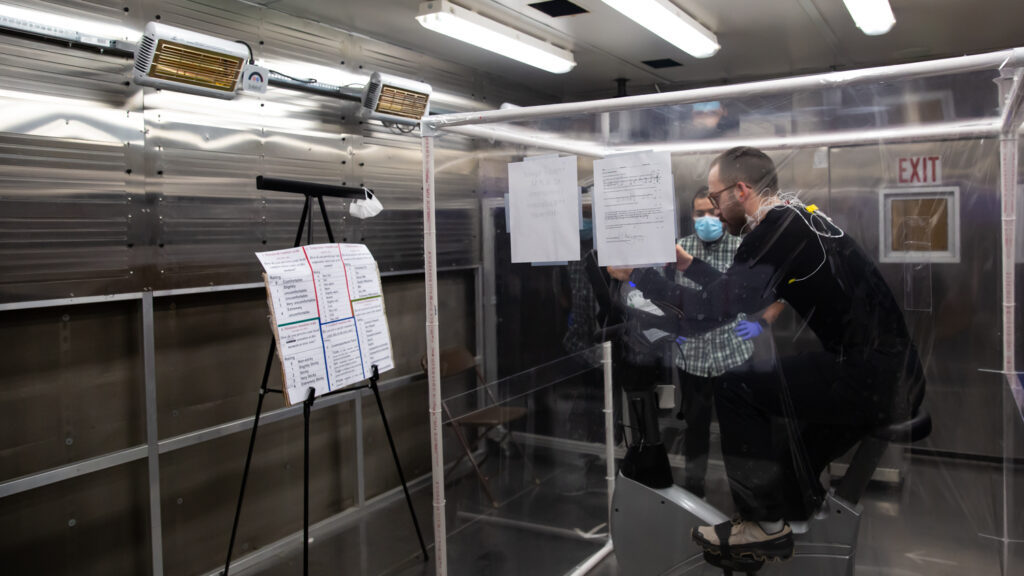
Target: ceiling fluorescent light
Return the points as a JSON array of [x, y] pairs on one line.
[[451, 20], [52, 25], [873, 17], [672, 24]]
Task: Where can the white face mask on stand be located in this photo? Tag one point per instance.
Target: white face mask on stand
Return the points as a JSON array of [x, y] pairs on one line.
[[368, 207]]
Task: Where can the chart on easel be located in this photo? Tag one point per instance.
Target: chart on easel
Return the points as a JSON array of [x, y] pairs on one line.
[[328, 316]]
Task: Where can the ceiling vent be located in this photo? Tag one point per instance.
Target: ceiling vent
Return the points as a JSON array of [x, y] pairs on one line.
[[662, 63], [557, 8]]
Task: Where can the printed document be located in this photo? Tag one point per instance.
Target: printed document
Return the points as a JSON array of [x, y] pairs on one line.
[[327, 312], [634, 209], [544, 210]]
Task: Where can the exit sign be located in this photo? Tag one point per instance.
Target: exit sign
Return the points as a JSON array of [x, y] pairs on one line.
[[916, 170]]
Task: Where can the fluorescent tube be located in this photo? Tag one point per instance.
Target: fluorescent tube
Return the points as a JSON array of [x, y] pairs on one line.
[[53, 25], [873, 17], [672, 24], [451, 20]]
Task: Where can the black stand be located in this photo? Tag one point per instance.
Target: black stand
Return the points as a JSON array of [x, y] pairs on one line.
[[319, 191]]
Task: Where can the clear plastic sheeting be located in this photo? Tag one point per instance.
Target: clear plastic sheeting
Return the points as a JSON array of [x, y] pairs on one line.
[[841, 358], [526, 474]]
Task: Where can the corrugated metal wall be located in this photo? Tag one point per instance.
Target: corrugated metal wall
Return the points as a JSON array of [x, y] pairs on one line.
[[107, 188]]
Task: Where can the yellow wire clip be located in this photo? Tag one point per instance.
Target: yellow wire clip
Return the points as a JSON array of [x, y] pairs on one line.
[[812, 208]]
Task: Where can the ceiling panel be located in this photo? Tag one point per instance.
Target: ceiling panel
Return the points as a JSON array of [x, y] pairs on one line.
[[760, 39]]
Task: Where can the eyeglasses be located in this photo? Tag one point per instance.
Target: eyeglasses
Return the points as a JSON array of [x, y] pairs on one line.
[[713, 196]]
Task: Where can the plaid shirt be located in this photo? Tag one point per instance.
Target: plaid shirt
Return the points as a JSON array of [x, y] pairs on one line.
[[582, 317], [713, 353]]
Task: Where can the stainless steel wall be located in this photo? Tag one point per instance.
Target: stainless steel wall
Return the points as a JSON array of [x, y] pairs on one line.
[[106, 188], [960, 337]]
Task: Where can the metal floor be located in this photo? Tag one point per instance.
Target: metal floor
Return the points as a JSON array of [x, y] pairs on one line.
[[941, 521]]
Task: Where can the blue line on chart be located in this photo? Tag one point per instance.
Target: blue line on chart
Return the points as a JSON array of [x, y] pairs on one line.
[[338, 320], [356, 325], [323, 346]]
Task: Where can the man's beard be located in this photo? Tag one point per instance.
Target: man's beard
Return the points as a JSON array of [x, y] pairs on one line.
[[736, 229]]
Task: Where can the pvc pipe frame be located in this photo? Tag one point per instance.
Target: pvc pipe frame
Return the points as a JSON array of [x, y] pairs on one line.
[[609, 427], [1009, 141], [1007, 127], [433, 358], [1011, 58]]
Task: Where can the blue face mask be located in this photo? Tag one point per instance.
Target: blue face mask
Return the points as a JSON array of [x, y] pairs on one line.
[[708, 228]]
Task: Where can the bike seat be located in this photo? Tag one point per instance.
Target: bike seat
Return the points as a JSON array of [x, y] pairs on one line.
[[907, 431]]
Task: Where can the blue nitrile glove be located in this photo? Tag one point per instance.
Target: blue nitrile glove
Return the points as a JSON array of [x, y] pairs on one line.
[[680, 339], [746, 329]]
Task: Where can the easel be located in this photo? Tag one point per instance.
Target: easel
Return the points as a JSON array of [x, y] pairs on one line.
[[309, 190]]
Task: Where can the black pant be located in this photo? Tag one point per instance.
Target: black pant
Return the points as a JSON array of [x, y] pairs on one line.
[[697, 399], [834, 403]]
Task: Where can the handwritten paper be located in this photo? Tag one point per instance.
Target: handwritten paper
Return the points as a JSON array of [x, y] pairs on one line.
[[544, 210], [634, 210], [328, 316]]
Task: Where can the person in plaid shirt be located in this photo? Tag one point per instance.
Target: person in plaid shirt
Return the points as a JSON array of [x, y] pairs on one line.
[[702, 360]]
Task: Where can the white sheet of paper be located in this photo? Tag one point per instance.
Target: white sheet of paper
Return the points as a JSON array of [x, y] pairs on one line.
[[634, 209], [329, 317], [544, 210]]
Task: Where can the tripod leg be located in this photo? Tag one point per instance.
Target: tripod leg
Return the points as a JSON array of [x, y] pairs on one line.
[[327, 221], [398, 465], [248, 456], [307, 405], [302, 223]]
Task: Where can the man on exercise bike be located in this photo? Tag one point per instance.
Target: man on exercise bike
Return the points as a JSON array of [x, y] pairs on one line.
[[867, 374]]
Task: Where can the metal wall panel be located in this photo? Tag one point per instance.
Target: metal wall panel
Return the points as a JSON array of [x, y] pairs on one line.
[[71, 387], [960, 337], [210, 354], [66, 216], [106, 188], [199, 486], [166, 198], [95, 525], [69, 214]]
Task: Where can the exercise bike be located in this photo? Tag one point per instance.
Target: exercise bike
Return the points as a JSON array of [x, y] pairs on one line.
[[652, 517]]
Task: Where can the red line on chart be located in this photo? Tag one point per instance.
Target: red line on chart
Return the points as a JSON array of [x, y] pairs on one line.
[[347, 287], [313, 276]]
